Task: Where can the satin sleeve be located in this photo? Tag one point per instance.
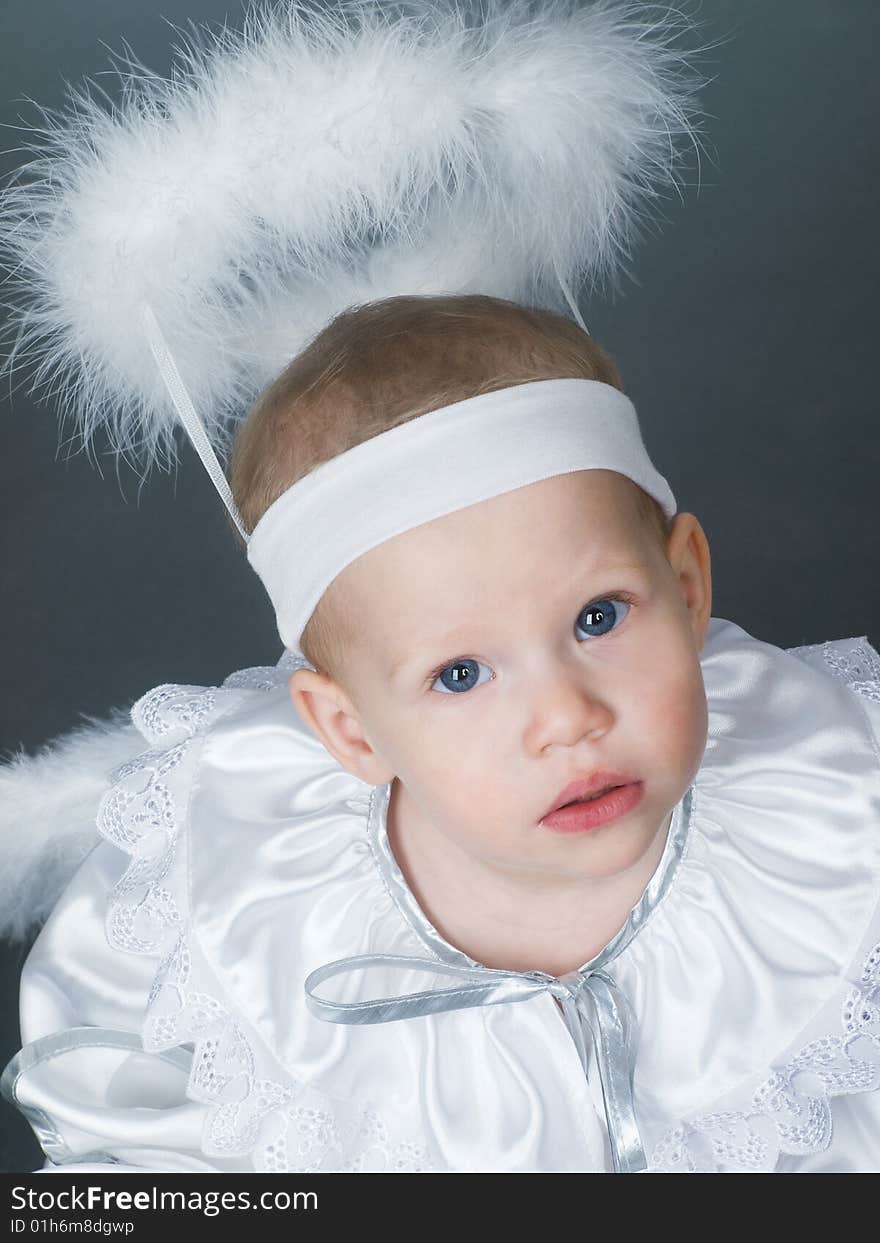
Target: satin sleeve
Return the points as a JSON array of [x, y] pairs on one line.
[[93, 1096]]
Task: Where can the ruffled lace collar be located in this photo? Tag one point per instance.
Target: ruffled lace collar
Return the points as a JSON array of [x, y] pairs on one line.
[[754, 927]]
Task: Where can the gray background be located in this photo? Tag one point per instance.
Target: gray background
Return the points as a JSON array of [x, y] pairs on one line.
[[749, 345]]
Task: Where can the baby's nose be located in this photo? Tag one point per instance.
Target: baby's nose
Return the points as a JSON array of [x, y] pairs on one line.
[[566, 712]]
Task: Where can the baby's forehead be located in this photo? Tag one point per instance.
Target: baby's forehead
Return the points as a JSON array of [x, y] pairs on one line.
[[563, 512], [582, 525]]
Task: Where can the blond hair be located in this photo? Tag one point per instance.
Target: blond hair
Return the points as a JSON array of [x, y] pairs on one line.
[[380, 364]]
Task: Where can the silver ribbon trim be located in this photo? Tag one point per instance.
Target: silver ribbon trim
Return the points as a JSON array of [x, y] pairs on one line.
[[590, 1000]]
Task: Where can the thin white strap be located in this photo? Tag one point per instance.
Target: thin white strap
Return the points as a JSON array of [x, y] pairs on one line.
[[187, 413], [564, 286]]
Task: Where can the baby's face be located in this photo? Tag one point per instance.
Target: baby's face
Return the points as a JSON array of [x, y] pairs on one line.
[[510, 648]]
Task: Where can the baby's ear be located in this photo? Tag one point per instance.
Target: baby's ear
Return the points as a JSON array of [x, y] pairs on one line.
[[330, 714], [687, 549]]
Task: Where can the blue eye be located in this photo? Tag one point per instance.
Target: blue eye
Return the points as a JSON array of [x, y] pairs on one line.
[[461, 675], [602, 616]]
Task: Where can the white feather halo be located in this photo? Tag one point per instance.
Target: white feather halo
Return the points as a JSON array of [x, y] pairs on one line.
[[322, 158]]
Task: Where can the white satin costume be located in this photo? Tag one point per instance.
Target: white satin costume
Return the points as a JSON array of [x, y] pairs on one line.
[[733, 1024]]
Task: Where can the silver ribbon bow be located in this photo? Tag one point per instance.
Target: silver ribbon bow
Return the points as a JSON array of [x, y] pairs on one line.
[[591, 1001]]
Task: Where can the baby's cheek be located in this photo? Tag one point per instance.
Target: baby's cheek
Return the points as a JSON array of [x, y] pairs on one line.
[[456, 769], [687, 726], [676, 716]]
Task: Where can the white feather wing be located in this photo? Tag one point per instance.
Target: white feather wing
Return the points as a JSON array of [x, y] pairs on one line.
[[48, 805]]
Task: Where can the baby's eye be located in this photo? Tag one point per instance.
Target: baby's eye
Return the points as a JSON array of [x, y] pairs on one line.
[[461, 675], [602, 616]]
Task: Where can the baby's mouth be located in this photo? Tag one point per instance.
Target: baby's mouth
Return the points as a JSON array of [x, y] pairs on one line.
[[592, 810], [589, 788], [591, 798]]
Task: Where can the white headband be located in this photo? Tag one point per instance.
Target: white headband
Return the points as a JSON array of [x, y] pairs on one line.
[[432, 465]]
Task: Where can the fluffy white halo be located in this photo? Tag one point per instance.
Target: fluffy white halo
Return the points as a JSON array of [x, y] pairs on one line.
[[322, 158]]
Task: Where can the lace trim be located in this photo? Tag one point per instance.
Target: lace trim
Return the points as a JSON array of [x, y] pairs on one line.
[[268, 677], [286, 1127], [169, 709], [787, 1115], [313, 1141], [854, 661]]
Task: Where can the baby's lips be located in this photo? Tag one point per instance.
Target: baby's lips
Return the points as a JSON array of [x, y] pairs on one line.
[[587, 785]]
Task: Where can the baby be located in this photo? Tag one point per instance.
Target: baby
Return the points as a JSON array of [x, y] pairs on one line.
[[560, 594], [611, 862]]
